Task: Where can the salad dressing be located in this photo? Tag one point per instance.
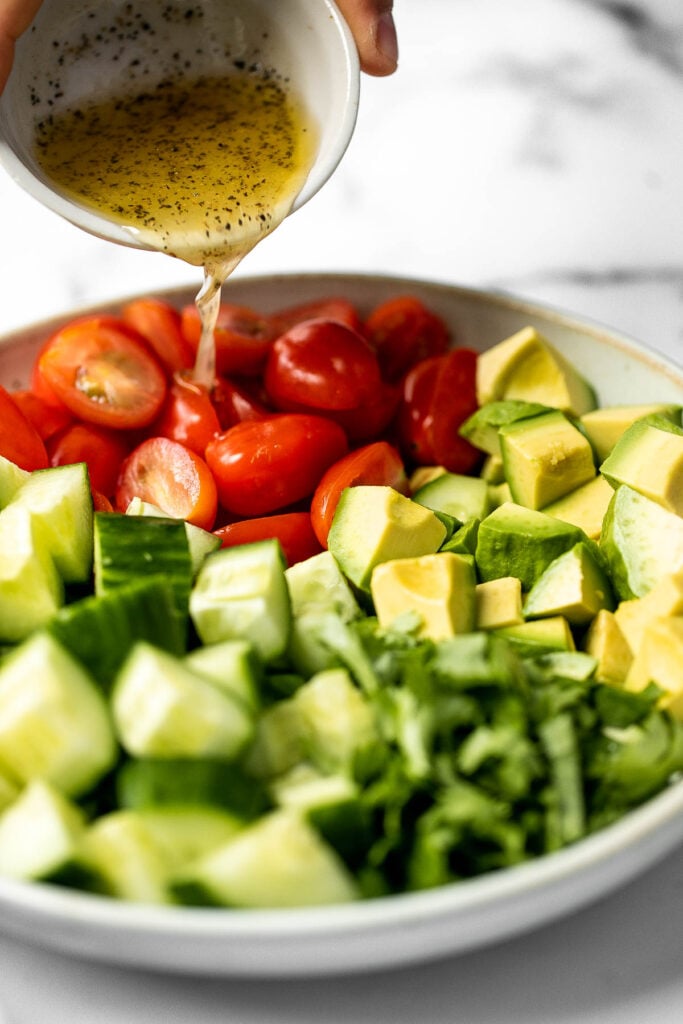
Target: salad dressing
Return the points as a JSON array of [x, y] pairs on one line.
[[201, 170]]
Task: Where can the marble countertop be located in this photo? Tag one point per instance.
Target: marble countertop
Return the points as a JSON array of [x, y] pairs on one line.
[[534, 147]]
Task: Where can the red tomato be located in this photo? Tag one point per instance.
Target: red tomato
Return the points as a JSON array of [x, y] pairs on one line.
[[292, 529], [438, 395], [103, 373], [100, 503], [321, 364], [20, 442], [377, 464], [103, 450], [234, 403], [403, 332], [171, 476], [187, 415], [47, 417], [261, 466], [160, 325], [243, 338], [371, 419], [335, 308]]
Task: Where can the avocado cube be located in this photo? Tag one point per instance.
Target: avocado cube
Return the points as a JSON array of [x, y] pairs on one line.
[[481, 428], [607, 644], [603, 427], [584, 507], [641, 541], [659, 661], [439, 588], [574, 585], [649, 458]]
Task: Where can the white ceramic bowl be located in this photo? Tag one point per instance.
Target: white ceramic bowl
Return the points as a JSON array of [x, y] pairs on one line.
[[80, 49], [410, 928]]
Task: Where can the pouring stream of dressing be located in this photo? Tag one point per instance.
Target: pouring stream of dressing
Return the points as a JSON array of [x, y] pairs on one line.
[[201, 170]]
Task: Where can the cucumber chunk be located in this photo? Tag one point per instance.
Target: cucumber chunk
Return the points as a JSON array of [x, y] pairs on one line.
[[12, 478], [201, 542], [158, 782], [162, 708], [232, 666], [54, 722], [39, 833], [31, 589], [241, 593], [337, 720]]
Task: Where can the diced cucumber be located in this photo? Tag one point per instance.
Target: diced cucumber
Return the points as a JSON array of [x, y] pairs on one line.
[[39, 833], [9, 791], [31, 589], [201, 542], [279, 861], [278, 742], [463, 497], [231, 665], [162, 708], [336, 720], [100, 630], [54, 722], [59, 502], [184, 833], [158, 782], [12, 478], [128, 547], [241, 593]]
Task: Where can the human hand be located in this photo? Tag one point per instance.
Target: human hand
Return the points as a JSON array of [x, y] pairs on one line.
[[370, 21]]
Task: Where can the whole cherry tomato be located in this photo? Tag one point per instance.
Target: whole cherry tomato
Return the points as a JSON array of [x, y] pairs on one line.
[[20, 442], [377, 464], [370, 420], [159, 323], [292, 529], [243, 338], [187, 415], [47, 417], [100, 371], [235, 402], [321, 365], [261, 466], [103, 450], [333, 308], [172, 477], [403, 332]]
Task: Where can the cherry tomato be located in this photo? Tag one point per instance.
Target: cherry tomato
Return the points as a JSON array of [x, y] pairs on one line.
[[292, 529], [171, 476], [103, 450], [243, 338], [334, 308], [187, 415], [20, 442], [371, 419], [234, 402], [159, 324], [438, 395], [377, 464], [321, 364], [261, 466], [403, 332], [47, 417], [100, 503], [101, 372]]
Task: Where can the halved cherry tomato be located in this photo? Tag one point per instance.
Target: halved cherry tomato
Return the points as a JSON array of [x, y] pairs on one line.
[[243, 338], [100, 503], [159, 323], [234, 403], [102, 449], [171, 476], [334, 308], [292, 529], [47, 417], [261, 466], [100, 370], [321, 365], [438, 396], [187, 415], [403, 331], [20, 442], [377, 464]]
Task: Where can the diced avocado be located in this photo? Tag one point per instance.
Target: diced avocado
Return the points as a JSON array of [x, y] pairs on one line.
[[664, 600], [9, 790], [493, 470], [658, 660], [649, 458], [499, 603], [521, 542], [481, 428], [578, 665], [376, 524], [584, 507], [463, 497], [574, 585], [608, 645], [336, 720], [439, 589], [603, 427], [531, 638], [464, 540], [201, 542], [545, 457], [39, 833], [499, 494], [12, 478], [423, 475], [31, 589], [641, 541], [527, 368]]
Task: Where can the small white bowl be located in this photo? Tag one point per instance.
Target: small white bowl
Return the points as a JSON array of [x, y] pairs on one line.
[[83, 49]]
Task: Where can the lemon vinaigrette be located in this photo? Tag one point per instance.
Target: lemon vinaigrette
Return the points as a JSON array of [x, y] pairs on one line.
[[201, 170]]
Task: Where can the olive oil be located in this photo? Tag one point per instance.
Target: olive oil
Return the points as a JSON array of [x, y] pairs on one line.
[[201, 170]]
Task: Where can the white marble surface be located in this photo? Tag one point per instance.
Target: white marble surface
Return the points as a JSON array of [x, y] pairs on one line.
[[534, 146]]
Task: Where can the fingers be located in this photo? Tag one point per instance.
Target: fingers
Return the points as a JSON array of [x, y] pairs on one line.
[[373, 28], [15, 18]]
